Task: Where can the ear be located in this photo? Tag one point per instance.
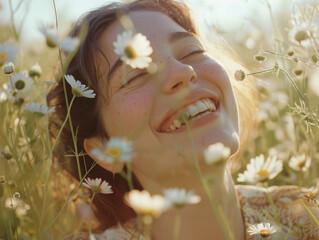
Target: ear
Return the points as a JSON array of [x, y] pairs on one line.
[[97, 143]]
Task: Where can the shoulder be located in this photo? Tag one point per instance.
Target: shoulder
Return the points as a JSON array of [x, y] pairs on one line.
[[282, 205]]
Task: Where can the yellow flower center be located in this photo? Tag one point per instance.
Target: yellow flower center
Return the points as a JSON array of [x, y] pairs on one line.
[[264, 233], [96, 189], [311, 195], [263, 173], [113, 152], [301, 164], [50, 42], [3, 57], [77, 93], [19, 84], [129, 52]]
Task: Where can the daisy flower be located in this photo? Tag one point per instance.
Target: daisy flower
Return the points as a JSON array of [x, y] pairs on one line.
[[69, 44], [300, 33], [134, 50], [53, 39], [143, 203], [79, 89], [39, 109], [8, 68], [258, 170], [240, 75], [8, 52], [20, 82], [313, 194], [179, 197], [18, 205], [264, 230], [300, 163], [35, 70], [97, 185], [50, 33], [115, 149], [216, 153]]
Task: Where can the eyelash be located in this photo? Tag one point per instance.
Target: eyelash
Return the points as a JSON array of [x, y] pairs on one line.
[[142, 74], [133, 78], [194, 52]]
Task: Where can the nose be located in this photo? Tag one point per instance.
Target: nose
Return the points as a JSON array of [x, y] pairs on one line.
[[177, 76]]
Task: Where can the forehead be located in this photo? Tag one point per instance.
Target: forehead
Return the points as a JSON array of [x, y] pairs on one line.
[[156, 26]]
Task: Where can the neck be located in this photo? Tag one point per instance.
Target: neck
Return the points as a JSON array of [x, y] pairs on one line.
[[218, 214]]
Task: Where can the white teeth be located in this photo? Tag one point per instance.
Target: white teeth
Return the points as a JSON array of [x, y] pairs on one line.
[[207, 103], [213, 106], [206, 106], [192, 110], [177, 123], [201, 106], [172, 127]]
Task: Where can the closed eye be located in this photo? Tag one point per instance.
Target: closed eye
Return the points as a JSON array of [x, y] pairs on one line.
[[199, 51], [132, 79]]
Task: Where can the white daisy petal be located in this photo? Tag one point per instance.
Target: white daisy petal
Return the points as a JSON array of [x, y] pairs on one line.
[[179, 197], [39, 109], [69, 44], [79, 89], [216, 153], [143, 203], [134, 50], [8, 52], [20, 83], [263, 229], [115, 149], [97, 185], [258, 170], [300, 163]]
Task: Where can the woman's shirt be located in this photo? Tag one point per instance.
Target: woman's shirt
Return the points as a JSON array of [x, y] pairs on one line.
[[282, 205]]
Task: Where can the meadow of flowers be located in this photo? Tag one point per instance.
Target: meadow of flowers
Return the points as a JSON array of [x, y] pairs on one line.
[[38, 202]]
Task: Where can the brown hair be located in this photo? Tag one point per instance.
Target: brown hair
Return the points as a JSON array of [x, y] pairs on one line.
[[84, 66]]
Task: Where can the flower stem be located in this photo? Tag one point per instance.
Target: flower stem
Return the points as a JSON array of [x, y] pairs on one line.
[[177, 226], [129, 176], [223, 223], [63, 124], [312, 215]]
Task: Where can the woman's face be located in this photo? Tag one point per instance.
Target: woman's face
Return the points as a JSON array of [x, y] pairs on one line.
[[186, 79]]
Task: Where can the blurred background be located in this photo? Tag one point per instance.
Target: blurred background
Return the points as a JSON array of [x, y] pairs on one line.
[[280, 37]]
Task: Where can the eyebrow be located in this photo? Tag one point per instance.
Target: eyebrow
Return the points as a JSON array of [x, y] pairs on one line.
[[175, 36]]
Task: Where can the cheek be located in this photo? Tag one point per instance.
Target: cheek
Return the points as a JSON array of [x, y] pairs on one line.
[[128, 112], [215, 73]]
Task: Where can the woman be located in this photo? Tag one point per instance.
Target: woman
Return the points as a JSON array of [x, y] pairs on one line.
[[148, 106]]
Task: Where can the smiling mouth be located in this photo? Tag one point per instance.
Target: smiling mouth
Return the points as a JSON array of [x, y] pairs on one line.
[[194, 111]]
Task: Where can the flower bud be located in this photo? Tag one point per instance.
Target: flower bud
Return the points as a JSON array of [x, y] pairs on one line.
[[301, 36], [290, 53], [16, 195], [8, 68], [314, 58], [2, 179], [7, 155], [240, 75], [35, 71], [298, 72], [260, 58]]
